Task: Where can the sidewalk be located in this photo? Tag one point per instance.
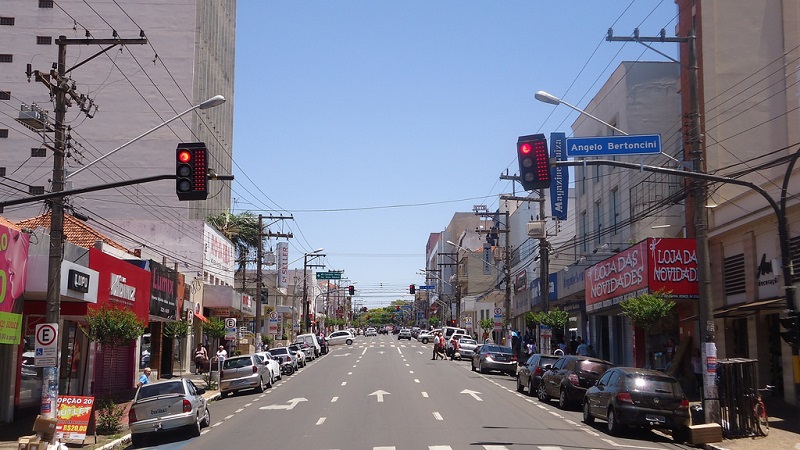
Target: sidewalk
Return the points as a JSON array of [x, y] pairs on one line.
[[784, 431], [22, 426]]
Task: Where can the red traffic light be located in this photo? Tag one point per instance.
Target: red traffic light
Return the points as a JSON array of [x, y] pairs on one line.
[[184, 156], [191, 171], [525, 148], [534, 162], [412, 289]]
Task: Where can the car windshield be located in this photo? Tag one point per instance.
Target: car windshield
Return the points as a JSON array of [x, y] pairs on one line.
[[156, 389], [652, 383], [497, 349], [235, 363], [279, 351], [593, 367], [467, 341]]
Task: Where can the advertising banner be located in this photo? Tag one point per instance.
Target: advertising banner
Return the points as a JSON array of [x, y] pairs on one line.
[[283, 264], [655, 264], [14, 246], [560, 175], [73, 414]]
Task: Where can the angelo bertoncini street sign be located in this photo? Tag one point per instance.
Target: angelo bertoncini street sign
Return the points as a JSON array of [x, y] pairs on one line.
[[635, 144]]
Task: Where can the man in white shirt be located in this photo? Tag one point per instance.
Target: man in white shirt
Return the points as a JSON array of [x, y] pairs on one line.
[[436, 343]]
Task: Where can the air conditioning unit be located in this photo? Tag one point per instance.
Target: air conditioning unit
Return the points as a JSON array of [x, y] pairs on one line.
[[536, 229]]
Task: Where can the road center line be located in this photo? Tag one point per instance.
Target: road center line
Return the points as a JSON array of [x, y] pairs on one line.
[[333, 400], [424, 394], [321, 421], [437, 416]]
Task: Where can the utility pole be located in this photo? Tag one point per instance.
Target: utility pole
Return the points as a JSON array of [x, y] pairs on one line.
[[451, 257], [61, 89], [695, 147], [260, 263], [506, 252]]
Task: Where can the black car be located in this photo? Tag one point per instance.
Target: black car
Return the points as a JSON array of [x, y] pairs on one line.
[[570, 377], [530, 373], [638, 397]]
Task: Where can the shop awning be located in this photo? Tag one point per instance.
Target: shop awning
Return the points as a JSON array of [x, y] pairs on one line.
[[201, 316], [774, 305]]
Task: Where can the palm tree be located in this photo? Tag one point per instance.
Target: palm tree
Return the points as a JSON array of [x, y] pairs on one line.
[[242, 230]]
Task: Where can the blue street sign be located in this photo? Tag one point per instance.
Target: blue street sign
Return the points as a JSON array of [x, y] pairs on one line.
[[428, 287], [637, 144], [560, 175]]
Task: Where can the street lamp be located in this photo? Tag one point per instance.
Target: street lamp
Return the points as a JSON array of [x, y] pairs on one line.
[[546, 97], [56, 250], [306, 307]]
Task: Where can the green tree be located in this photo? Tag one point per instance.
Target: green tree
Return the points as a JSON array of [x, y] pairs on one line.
[[487, 325], [647, 310], [214, 329]]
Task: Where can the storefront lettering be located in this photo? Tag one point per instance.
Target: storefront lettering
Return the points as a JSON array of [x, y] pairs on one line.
[[121, 290], [163, 284], [611, 285]]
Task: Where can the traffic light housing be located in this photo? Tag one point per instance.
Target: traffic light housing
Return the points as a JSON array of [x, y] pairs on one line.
[[534, 162], [191, 171], [412, 289], [351, 290], [792, 325]]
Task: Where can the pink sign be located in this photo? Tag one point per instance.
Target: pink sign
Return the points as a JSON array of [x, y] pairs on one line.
[[13, 266]]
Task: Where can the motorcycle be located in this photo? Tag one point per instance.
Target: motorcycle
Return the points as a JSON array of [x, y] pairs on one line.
[[286, 366]]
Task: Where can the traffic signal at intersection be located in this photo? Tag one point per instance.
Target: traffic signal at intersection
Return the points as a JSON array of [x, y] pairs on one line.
[[191, 171], [351, 290], [792, 329], [412, 289], [534, 162]]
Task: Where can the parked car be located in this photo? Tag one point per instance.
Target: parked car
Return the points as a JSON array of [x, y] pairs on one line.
[[467, 346], [627, 396], [427, 336], [299, 354], [495, 357], [569, 378], [312, 340], [307, 350], [284, 355], [323, 345], [370, 332], [530, 374], [448, 332], [405, 333], [341, 337], [272, 364], [168, 405], [244, 372]]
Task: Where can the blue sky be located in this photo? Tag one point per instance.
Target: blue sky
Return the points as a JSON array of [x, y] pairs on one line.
[[372, 122]]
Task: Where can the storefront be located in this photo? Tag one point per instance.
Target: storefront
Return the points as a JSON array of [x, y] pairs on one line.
[[652, 265], [224, 302]]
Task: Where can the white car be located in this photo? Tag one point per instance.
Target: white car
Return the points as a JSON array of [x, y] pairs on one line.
[[341, 337], [427, 336], [167, 405], [272, 364], [370, 332]]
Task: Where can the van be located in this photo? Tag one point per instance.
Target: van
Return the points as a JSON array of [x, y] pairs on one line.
[[311, 340], [449, 331]]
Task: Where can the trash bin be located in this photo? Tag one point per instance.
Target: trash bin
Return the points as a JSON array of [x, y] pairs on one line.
[[698, 415], [737, 387]]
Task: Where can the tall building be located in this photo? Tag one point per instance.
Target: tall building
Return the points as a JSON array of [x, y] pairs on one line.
[[120, 93]]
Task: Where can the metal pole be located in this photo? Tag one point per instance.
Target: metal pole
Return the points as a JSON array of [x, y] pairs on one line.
[[507, 302], [259, 281], [305, 294]]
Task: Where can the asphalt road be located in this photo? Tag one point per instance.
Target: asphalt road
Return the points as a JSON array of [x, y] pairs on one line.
[[381, 393]]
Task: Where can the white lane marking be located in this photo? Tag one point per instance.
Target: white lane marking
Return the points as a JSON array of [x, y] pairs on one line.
[[344, 383], [407, 364], [614, 444], [556, 414], [217, 424], [424, 394], [416, 380], [364, 351], [333, 400], [239, 410], [321, 421], [350, 373], [228, 417], [384, 448], [437, 416], [572, 422], [497, 447], [439, 447], [410, 371]]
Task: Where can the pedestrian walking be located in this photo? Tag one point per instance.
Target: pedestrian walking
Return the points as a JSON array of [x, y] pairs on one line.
[[200, 359], [583, 348], [435, 346]]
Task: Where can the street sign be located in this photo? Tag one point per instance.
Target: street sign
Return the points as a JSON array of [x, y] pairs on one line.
[[230, 329], [329, 275], [427, 287], [636, 144], [46, 346]]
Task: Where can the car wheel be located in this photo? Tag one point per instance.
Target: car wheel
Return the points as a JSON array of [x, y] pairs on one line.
[[613, 422], [480, 367], [424, 340], [531, 390], [587, 416], [472, 364], [260, 387], [137, 440], [270, 380], [349, 342], [563, 401], [206, 422], [520, 388], [542, 393], [194, 429], [223, 394]]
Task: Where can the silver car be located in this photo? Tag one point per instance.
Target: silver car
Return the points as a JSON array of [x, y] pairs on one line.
[[467, 346], [168, 405], [495, 357], [341, 337], [244, 372]]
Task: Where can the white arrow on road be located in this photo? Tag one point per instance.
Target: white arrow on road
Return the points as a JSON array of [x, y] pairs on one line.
[[474, 394], [380, 395], [288, 407]]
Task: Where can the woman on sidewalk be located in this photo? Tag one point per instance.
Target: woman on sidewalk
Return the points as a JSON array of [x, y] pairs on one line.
[[200, 359]]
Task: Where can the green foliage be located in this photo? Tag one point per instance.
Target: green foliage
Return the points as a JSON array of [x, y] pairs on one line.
[[434, 321], [214, 328], [179, 329], [487, 324], [646, 310], [555, 318], [242, 230], [108, 415], [113, 327]]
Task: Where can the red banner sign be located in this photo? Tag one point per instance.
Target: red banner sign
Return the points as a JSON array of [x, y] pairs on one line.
[[73, 414]]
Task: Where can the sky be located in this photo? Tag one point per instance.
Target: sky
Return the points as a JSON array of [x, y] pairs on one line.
[[372, 122]]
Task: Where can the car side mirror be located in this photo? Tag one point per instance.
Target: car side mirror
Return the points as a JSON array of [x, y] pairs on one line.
[[200, 391]]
